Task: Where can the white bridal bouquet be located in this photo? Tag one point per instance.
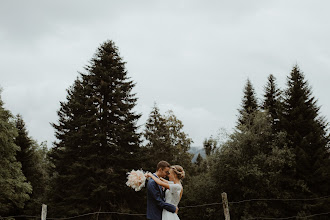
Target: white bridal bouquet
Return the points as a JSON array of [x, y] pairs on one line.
[[136, 179]]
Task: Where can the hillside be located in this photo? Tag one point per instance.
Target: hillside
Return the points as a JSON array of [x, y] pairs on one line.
[[196, 151]]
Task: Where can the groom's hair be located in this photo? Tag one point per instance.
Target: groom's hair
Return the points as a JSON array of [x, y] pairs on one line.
[[162, 164]]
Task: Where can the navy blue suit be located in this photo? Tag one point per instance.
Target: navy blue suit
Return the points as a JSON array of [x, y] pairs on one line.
[[156, 201]]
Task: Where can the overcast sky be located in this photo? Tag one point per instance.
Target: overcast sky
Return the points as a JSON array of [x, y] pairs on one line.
[[192, 57]]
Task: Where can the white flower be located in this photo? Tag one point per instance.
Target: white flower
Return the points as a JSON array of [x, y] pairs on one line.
[[136, 179]]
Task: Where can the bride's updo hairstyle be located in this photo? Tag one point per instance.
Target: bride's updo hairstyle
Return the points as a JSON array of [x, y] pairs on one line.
[[178, 170]]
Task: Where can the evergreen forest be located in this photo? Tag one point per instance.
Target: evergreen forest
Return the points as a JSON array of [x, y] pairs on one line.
[[275, 164]]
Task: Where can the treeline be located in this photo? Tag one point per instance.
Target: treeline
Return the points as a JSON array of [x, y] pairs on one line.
[[279, 149]]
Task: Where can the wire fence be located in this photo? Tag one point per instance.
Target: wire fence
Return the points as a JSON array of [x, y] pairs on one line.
[[196, 206], [308, 199], [292, 217]]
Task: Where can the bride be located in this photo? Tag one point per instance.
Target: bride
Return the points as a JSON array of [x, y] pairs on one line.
[[175, 189]]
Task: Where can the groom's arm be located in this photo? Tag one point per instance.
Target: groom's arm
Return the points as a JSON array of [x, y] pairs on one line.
[[155, 193]]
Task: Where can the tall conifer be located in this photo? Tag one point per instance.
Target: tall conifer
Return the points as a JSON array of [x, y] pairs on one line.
[[35, 169], [14, 189], [249, 104], [272, 102], [307, 135], [97, 137]]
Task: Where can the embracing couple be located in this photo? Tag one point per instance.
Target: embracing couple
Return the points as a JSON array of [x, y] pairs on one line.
[[164, 196]]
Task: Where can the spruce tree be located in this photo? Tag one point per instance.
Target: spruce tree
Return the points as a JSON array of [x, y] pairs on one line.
[[14, 189], [249, 104], [98, 142], [307, 135], [34, 168], [272, 102], [25, 143]]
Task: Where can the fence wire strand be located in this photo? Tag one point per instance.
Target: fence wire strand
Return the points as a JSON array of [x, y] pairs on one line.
[[196, 206], [310, 199], [292, 217], [94, 213]]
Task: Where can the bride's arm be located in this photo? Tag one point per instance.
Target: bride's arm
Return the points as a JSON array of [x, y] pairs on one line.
[[164, 180], [158, 181]]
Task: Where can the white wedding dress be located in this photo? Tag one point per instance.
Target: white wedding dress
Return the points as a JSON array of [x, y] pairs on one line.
[[172, 196]]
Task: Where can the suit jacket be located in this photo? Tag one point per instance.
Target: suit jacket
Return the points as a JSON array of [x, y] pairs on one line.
[[156, 201]]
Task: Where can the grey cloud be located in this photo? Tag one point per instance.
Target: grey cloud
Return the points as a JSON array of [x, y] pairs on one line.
[[192, 56]]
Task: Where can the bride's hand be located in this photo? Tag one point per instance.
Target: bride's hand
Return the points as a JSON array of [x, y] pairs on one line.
[[147, 174]]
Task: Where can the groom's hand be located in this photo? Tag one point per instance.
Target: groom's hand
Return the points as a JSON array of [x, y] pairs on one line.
[[177, 209]]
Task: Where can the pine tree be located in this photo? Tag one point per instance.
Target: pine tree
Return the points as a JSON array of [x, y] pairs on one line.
[[25, 143], [32, 157], [98, 142], [14, 189], [249, 104], [307, 135], [272, 102]]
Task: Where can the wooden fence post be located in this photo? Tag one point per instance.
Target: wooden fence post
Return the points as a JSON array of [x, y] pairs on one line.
[[225, 206], [43, 212]]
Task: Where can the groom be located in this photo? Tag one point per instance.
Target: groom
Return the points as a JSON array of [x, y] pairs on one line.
[[156, 196]]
